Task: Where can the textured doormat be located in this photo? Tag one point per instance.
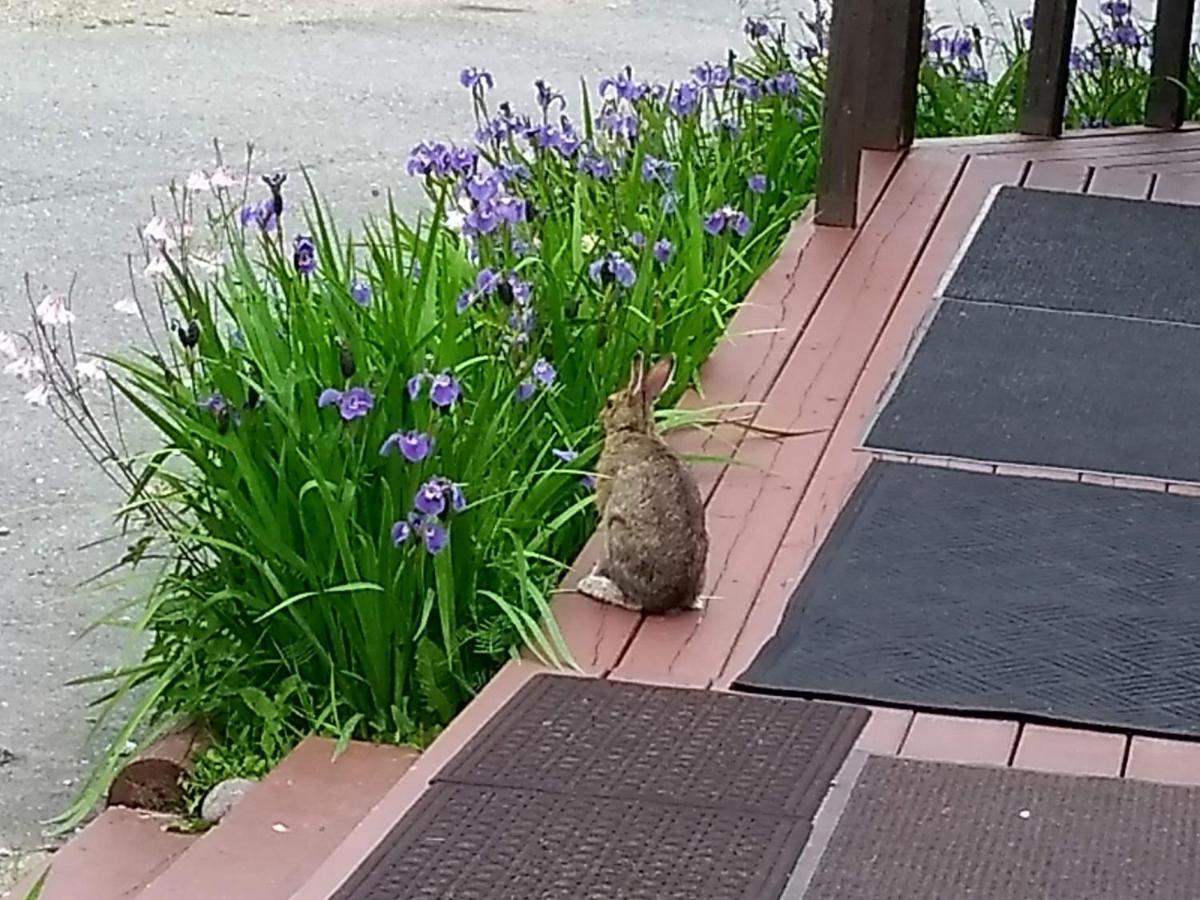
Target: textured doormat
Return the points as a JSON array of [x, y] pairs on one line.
[[1047, 600], [600, 789], [916, 830], [1085, 254], [1018, 385]]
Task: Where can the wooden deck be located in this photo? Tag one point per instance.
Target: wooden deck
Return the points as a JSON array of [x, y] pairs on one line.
[[816, 345]]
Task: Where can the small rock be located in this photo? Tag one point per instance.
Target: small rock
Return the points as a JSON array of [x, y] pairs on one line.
[[224, 797], [279, 828], [1024, 814], [6, 756], [5, 531]]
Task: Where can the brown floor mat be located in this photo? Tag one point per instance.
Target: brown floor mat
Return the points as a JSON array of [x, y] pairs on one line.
[[600, 789], [928, 831]]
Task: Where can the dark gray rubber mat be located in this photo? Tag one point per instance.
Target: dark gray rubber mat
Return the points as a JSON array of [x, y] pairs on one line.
[[1044, 600], [1018, 385], [927, 831], [587, 788], [1085, 253]]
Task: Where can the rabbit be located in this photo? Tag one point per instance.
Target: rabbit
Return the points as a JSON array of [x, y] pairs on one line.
[[651, 513]]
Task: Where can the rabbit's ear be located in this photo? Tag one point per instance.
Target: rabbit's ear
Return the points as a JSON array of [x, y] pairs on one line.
[[659, 378], [637, 373]]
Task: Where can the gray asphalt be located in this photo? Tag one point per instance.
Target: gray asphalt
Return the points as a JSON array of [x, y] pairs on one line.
[[94, 118]]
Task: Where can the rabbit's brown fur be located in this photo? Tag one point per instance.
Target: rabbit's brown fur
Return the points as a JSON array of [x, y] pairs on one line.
[[651, 513]]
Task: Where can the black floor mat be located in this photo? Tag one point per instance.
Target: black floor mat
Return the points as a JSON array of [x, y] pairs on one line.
[[1085, 253], [957, 591], [926, 831], [1019, 385], [583, 788]]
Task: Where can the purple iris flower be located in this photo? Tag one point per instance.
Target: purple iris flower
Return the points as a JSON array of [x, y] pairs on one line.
[[727, 217], [623, 86], [444, 390], [544, 372], [711, 76], [416, 384], [959, 47], [482, 187], [546, 95], [473, 78], [784, 84], [261, 213], [304, 255], [612, 267], [352, 404], [401, 532], [442, 160], [748, 87], [360, 292], [216, 404], [757, 184], [524, 391], [522, 322], [975, 75], [511, 210], [413, 445], [431, 498], [598, 167], [663, 251], [1117, 9], [567, 456], [435, 536], [1127, 35], [658, 170], [1027, 23], [1082, 61], [756, 29], [618, 124], [589, 482], [637, 239], [685, 100]]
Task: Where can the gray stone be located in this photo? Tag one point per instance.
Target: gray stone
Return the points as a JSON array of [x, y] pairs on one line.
[[224, 797]]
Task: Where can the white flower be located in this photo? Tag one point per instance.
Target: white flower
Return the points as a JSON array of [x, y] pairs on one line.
[[53, 311], [198, 181], [127, 307], [157, 268], [222, 179], [588, 242], [8, 345], [90, 370], [39, 396], [157, 231], [25, 367]]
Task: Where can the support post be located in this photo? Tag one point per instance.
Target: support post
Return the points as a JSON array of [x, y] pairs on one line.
[[845, 96], [893, 68], [1049, 61], [1165, 102]]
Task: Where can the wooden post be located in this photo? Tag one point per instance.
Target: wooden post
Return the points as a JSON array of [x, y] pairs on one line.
[[841, 130], [1049, 60], [1169, 69], [893, 67]]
